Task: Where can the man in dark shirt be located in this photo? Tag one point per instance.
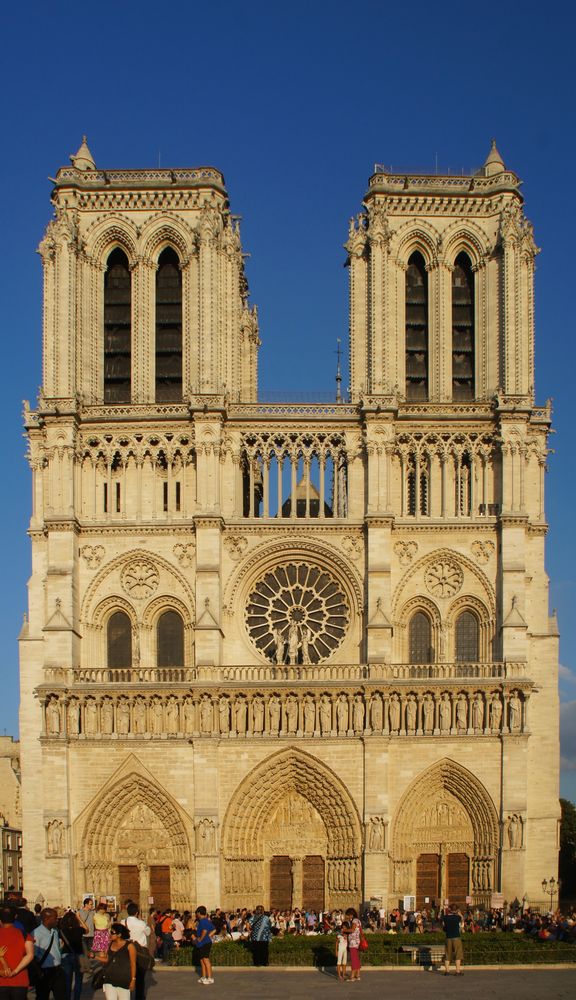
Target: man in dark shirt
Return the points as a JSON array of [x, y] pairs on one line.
[[452, 922]]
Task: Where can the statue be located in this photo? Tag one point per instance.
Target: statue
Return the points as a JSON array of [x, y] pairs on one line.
[[428, 714], [156, 713], [478, 712], [394, 713], [53, 717], [206, 716], [411, 711], [55, 837], [358, 714], [376, 835], [279, 645], [293, 643], [325, 715], [376, 714], [309, 716], [258, 714], [107, 717], [188, 714], [274, 713], [445, 713], [224, 714], [172, 715], [461, 714], [291, 714], [123, 717], [139, 716], [240, 716], [342, 714], [205, 837], [514, 712], [73, 718], [90, 717], [495, 713], [306, 638]]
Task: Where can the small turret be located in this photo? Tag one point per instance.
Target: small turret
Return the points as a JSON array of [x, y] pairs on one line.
[[83, 160], [493, 164]]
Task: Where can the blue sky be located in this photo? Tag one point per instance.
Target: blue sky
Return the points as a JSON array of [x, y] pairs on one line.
[[294, 104]]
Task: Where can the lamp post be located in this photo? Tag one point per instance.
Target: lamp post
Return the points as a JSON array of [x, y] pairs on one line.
[[551, 886]]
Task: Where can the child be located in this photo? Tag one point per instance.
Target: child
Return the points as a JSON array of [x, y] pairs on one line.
[[342, 950], [202, 941]]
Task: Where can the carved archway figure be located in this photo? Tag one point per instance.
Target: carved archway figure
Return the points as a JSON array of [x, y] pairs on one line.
[[132, 838], [288, 810], [445, 837]]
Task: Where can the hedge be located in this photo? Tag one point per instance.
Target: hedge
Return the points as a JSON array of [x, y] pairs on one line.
[[314, 951]]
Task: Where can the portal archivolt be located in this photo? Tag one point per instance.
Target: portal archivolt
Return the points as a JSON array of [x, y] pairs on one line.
[[267, 852]]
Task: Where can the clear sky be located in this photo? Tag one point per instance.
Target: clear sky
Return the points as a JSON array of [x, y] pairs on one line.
[[295, 104]]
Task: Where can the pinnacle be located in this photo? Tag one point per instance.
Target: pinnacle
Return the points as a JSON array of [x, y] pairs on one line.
[[83, 159], [493, 164]]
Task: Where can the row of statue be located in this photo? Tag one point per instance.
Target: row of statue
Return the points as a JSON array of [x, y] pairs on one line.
[[309, 714]]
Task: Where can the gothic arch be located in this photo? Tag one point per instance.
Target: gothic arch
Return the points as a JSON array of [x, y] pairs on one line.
[[413, 237], [114, 231], [162, 231], [418, 570], [464, 238], [260, 792], [267, 556], [446, 776], [97, 826], [124, 559]]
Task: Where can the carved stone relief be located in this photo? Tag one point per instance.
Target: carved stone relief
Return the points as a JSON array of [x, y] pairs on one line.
[[444, 578], [140, 579], [185, 553], [406, 552], [482, 551], [55, 838], [93, 555], [235, 545]]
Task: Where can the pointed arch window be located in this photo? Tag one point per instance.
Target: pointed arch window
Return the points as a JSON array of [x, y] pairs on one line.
[[416, 328], [420, 638], [117, 328], [467, 645], [170, 640], [119, 635], [168, 328], [463, 346]]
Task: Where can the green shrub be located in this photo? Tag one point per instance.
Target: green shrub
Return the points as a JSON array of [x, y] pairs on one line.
[[386, 949]]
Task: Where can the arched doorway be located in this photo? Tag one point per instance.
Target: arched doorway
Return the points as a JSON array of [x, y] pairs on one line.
[[291, 837], [445, 838], [133, 844]]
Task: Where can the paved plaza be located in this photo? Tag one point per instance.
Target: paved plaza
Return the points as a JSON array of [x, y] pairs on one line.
[[277, 984]]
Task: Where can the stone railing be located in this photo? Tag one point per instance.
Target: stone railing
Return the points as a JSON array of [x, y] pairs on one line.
[[270, 673]]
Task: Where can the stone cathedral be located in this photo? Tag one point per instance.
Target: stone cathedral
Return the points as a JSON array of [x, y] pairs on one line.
[[286, 653]]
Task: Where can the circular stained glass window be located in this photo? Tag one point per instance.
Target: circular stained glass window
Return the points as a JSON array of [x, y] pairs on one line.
[[297, 613]]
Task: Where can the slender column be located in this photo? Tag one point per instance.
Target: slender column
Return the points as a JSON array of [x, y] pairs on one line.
[[307, 482], [280, 461], [294, 471], [417, 484], [251, 487], [266, 485], [322, 463], [443, 484]]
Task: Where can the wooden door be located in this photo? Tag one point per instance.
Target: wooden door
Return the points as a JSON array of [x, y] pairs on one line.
[[457, 878], [313, 882], [129, 879], [160, 886], [280, 883], [427, 878]]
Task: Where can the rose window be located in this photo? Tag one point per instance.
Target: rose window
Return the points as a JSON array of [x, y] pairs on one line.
[[297, 613], [444, 578]]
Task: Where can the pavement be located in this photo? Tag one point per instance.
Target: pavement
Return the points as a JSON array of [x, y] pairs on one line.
[[525, 983]]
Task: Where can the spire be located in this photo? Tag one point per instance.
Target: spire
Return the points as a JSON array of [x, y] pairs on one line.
[[338, 372], [493, 164], [83, 160]]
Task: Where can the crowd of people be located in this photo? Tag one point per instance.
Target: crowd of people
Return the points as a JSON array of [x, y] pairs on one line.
[[54, 950]]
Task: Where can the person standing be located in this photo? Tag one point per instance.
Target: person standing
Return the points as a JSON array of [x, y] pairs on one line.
[[139, 934], [17, 953], [86, 915], [202, 941], [354, 935], [101, 931], [119, 965], [452, 924], [260, 934], [71, 931], [342, 950], [47, 952]]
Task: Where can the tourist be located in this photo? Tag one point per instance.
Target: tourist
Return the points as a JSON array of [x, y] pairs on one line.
[[119, 964], [139, 933], [72, 930], [48, 955], [17, 951], [342, 950], [101, 931], [202, 941], [451, 922], [354, 934], [86, 914], [260, 934]]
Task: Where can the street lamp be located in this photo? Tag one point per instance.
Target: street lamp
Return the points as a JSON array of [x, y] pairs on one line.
[[551, 886]]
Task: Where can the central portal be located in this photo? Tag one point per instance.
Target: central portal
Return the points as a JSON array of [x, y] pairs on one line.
[[296, 879], [307, 872]]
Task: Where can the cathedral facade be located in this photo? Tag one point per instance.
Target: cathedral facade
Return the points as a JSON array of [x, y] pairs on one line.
[[285, 653]]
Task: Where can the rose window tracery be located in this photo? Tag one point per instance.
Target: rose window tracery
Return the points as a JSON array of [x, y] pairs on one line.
[[140, 579], [297, 613], [444, 578]]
